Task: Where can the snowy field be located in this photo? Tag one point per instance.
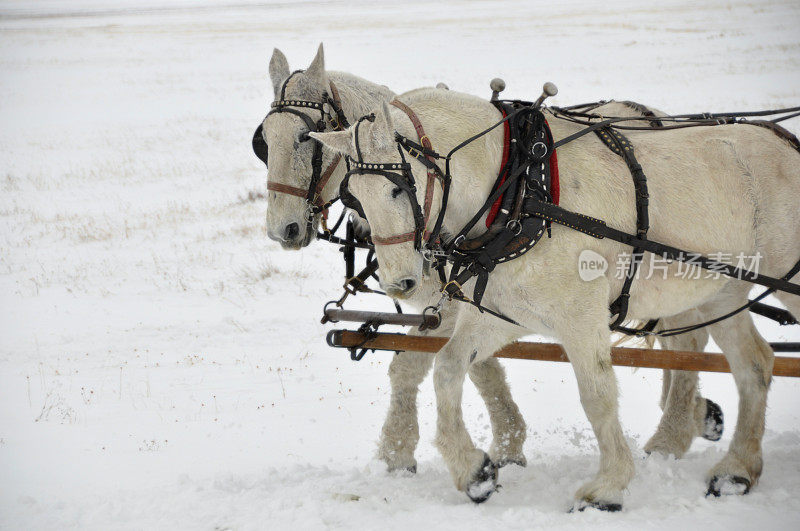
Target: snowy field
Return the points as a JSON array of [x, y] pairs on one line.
[[162, 365]]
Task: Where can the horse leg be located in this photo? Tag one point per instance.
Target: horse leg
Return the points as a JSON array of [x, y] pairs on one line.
[[587, 345], [686, 413], [508, 426], [751, 360], [400, 432], [666, 380], [471, 468]]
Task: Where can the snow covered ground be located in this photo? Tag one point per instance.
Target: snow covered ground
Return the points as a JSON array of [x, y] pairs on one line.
[[162, 364]]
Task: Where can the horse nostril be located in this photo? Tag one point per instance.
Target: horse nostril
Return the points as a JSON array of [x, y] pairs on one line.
[[407, 284], [292, 230]]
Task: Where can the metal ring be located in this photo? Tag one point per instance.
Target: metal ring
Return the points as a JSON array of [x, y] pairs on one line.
[[535, 146], [325, 311], [435, 312], [514, 223]]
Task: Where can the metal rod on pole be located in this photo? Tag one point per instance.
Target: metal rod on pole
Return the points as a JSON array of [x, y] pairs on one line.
[[405, 319]]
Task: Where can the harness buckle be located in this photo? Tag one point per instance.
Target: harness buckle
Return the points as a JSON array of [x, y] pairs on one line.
[[460, 291], [353, 285], [430, 254]]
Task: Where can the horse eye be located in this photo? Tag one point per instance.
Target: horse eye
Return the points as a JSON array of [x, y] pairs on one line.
[[397, 191]]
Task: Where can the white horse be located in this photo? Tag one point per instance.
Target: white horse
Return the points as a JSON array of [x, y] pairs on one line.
[[685, 411], [290, 163], [731, 188]]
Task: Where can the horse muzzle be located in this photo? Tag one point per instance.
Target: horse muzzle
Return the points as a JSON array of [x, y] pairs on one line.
[[292, 236]]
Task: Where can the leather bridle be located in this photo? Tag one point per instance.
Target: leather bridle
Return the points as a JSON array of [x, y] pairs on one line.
[[404, 180], [319, 179]]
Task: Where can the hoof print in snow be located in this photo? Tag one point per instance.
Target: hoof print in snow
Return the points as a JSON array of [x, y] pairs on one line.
[[727, 486], [484, 482], [609, 507], [714, 421]]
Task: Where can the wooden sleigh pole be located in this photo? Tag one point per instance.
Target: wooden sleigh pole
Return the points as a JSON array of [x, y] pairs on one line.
[[620, 356]]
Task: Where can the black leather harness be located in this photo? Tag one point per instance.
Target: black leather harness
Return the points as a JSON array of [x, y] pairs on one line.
[[619, 144], [526, 204], [515, 230], [518, 233]]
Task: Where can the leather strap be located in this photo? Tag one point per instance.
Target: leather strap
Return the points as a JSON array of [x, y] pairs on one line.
[[398, 238], [286, 189], [326, 175], [597, 228], [341, 120], [300, 192], [620, 145], [425, 141]]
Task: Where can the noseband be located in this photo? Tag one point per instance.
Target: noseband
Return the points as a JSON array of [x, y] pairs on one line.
[[337, 121]]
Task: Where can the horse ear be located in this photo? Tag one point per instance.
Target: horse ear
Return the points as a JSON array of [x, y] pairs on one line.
[[316, 71], [278, 70], [382, 131], [338, 141]]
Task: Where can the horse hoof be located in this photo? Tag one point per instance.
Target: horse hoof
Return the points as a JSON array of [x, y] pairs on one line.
[[714, 421], [519, 461], [484, 482], [600, 506], [728, 485]]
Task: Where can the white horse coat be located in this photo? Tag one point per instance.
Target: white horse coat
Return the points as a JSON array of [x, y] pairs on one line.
[[730, 189], [290, 163]]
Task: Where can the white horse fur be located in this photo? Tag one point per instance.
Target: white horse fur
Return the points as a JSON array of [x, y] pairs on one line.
[[290, 163], [732, 188]]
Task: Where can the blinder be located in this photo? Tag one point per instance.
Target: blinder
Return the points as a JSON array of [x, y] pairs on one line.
[[260, 147]]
